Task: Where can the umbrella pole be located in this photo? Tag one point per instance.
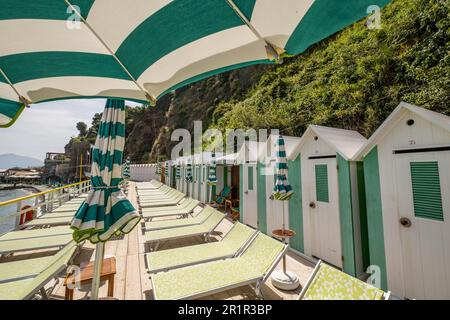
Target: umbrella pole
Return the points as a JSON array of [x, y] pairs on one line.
[[99, 253], [283, 228]]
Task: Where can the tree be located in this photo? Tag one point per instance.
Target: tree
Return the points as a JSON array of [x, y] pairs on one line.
[[82, 128]]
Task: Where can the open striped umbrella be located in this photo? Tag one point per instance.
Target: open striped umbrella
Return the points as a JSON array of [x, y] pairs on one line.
[[212, 179], [282, 189], [106, 211], [52, 50]]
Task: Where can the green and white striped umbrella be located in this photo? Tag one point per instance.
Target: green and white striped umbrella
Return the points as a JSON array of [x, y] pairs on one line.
[[106, 211], [166, 167], [212, 178], [189, 177], [282, 189], [141, 50], [178, 171], [126, 169], [158, 168]]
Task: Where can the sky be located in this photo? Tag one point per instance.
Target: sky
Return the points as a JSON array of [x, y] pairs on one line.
[[48, 127]]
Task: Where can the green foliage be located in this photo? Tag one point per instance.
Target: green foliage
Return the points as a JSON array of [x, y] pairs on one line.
[[356, 78]]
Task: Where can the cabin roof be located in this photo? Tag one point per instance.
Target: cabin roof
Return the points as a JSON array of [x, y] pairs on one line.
[[267, 149], [436, 118], [345, 142]]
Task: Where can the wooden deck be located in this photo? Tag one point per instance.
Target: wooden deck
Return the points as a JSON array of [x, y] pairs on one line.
[[132, 280]]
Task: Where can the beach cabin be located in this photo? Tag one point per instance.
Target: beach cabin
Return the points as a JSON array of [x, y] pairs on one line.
[[228, 174], [330, 196], [200, 174], [248, 159], [270, 211], [407, 177]]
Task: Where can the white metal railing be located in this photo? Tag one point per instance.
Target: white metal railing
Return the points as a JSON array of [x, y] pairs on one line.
[[42, 202]]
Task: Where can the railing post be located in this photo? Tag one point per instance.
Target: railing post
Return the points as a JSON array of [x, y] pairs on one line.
[[19, 207]]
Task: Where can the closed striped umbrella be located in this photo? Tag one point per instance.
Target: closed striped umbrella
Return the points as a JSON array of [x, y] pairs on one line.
[[282, 189], [106, 211], [189, 177], [126, 169], [167, 167], [158, 168], [178, 171], [212, 178], [52, 50]]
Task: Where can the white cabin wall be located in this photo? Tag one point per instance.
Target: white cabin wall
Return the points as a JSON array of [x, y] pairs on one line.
[[310, 148], [422, 134]]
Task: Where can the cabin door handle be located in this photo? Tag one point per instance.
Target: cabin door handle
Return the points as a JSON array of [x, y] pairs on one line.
[[405, 222], [312, 205]]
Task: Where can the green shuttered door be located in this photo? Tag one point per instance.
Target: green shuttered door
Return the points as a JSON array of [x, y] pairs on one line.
[[322, 183], [426, 190]]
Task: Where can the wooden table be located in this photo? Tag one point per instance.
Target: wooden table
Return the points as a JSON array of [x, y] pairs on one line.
[[86, 274]]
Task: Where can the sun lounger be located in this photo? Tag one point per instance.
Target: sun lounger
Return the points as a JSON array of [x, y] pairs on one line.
[[176, 223], [230, 246], [253, 266], [204, 229], [52, 219], [166, 194], [160, 203], [36, 233], [23, 279], [149, 185], [162, 190], [40, 243], [328, 283], [182, 210]]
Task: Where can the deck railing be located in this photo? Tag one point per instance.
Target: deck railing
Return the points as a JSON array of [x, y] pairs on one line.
[[41, 203]]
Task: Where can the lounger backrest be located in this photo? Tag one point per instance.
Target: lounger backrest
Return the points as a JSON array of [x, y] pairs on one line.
[[191, 204], [262, 253], [204, 213], [238, 235], [329, 283], [55, 265], [213, 220]]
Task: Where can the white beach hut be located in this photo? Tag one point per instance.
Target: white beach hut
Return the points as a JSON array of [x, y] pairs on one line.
[[407, 178], [330, 197], [270, 211]]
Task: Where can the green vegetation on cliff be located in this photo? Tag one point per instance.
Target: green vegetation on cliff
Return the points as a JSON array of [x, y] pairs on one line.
[[356, 78]]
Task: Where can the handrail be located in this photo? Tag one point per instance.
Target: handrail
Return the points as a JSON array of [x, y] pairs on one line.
[[34, 195]]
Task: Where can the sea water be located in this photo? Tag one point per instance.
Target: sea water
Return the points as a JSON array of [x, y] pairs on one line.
[[6, 195]]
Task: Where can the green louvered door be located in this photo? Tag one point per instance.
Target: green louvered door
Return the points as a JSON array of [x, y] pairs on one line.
[[324, 210], [423, 182]]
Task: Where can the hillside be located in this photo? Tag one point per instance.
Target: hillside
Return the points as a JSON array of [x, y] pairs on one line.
[[352, 80], [11, 160]]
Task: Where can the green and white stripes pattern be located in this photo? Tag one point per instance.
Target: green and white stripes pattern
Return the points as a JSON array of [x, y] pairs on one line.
[[189, 177], [158, 168], [106, 211], [167, 168], [282, 189], [178, 171], [212, 178], [108, 54], [126, 169]]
